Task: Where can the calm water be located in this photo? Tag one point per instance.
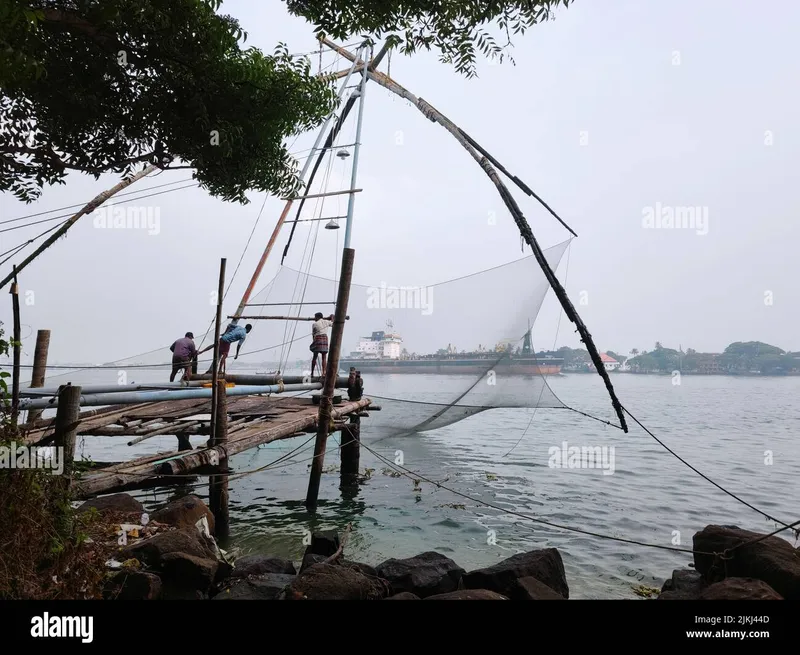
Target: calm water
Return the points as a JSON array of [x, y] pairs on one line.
[[723, 426]]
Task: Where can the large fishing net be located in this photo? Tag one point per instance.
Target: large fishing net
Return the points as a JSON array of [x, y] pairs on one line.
[[430, 355]]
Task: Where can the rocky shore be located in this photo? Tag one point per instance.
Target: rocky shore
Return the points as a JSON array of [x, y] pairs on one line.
[[173, 555]]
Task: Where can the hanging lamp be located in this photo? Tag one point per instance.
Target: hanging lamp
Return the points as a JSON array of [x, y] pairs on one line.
[[332, 225]]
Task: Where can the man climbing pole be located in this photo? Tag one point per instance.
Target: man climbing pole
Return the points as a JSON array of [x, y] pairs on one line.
[[234, 332]]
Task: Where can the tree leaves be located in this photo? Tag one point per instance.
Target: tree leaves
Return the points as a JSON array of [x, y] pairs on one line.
[[101, 86], [453, 27]]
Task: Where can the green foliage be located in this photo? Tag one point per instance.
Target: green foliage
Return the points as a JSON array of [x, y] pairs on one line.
[[109, 85], [752, 349], [456, 28]]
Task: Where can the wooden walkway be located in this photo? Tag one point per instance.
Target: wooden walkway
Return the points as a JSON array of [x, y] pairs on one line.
[[252, 420]]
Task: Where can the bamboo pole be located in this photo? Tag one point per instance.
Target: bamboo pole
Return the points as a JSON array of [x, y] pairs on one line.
[[90, 207], [436, 116], [17, 346], [212, 456], [331, 374], [39, 368]]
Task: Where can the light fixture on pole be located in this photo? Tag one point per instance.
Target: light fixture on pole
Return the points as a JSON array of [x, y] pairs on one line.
[[343, 154], [332, 225]]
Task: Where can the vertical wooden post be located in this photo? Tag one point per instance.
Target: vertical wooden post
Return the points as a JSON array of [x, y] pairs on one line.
[[218, 486], [331, 374], [66, 428], [17, 338], [215, 376], [350, 453], [39, 368]]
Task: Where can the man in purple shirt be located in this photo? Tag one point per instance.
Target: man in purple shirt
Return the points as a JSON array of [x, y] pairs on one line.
[[183, 352]]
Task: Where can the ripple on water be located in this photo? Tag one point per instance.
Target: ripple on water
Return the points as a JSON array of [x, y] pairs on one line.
[[722, 426]]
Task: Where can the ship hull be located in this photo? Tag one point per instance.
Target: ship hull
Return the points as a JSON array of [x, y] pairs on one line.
[[449, 367]]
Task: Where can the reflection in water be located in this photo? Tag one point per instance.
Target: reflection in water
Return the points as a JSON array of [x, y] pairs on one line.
[[721, 425]]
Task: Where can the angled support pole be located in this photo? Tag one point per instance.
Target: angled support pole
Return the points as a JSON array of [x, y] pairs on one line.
[[435, 116]]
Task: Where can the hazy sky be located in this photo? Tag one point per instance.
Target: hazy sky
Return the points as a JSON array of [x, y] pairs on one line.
[[614, 111]]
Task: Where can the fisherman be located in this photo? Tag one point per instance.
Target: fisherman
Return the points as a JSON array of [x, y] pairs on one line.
[[183, 352], [234, 332], [319, 342]]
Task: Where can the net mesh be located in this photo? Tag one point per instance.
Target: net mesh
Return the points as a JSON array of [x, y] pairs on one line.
[[429, 355]]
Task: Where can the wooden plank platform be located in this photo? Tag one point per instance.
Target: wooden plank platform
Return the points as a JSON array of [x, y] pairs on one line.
[[252, 420]]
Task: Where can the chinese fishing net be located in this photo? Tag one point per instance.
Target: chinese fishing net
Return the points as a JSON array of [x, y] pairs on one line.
[[429, 356]]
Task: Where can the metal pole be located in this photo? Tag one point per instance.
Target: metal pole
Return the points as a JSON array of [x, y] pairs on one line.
[[215, 372], [135, 397], [17, 337], [288, 206], [39, 368], [352, 198]]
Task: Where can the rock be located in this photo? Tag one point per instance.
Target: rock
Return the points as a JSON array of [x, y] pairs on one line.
[[740, 589], [334, 582], [544, 565], [309, 559], [261, 564], [170, 592], [134, 585], [257, 587], [771, 560], [364, 569], [425, 574], [151, 551], [184, 513], [532, 589], [324, 543], [403, 595], [187, 571], [685, 584], [468, 594], [123, 503]]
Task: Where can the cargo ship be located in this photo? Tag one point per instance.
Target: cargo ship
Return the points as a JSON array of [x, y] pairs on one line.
[[381, 352]]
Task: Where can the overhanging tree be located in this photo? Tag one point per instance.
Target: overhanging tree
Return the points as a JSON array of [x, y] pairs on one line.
[[458, 29], [103, 86]]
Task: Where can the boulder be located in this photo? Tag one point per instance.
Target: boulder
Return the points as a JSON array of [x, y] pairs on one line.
[[366, 569], [309, 559], [266, 586], [685, 584], [533, 589], [184, 513], [324, 543], [334, 582], [772, 560], [739, 589], [261, 564], [544, 565], [133, 585], [152, 550], [468, 594], [187, 571], [403, 595], [122, 503], [425, 574], [170, 592]]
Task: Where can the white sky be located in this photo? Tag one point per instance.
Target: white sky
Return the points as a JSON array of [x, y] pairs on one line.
[[616, 106]]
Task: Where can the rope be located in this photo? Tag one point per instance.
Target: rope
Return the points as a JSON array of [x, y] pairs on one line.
[[702, 475], [555, 342]]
